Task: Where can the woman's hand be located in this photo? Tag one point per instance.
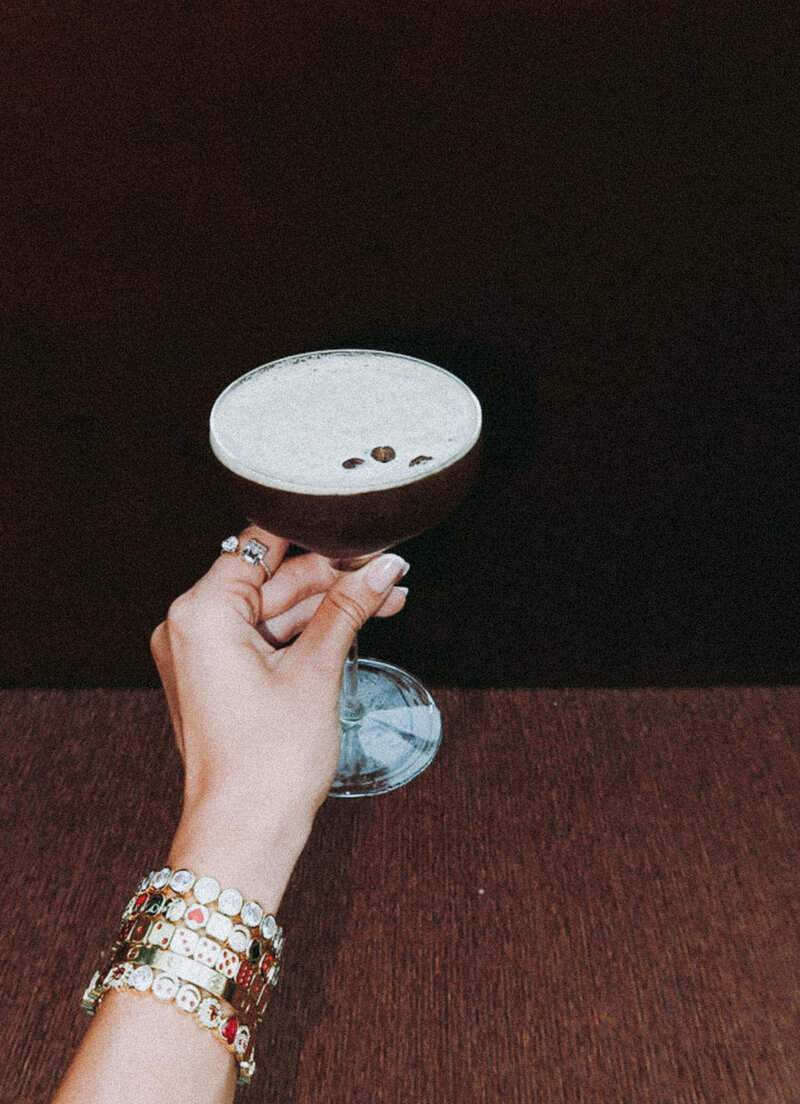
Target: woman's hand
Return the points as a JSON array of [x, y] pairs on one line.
[[257, 724]]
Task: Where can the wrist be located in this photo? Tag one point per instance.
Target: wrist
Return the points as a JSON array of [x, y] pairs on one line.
[[258, 860]]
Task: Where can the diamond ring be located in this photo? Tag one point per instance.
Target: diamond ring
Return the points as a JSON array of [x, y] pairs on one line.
[[253, 552]]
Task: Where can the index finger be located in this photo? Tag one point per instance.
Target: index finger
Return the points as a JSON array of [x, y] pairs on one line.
[[300, 577]]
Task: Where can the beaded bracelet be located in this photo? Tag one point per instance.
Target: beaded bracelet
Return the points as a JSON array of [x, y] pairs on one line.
[[253, 970], [154, 929], [210, 1012], [227, 968], [201, 901], [247, 995], [249, 998]]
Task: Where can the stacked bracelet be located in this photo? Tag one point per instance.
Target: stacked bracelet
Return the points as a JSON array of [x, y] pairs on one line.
[[213, 954]]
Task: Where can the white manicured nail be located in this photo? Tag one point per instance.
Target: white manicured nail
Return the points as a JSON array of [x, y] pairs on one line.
[[384, 571]]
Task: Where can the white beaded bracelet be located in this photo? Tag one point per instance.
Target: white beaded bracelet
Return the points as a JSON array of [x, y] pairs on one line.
[[155, 953]]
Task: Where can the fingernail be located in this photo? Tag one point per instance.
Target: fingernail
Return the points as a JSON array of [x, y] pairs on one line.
[[384, 571], [401, 590]]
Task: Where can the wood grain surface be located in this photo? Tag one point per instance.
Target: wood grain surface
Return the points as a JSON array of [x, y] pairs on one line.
[[591, 896]]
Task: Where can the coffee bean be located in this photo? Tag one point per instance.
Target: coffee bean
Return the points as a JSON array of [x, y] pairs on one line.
[[353, 462], [419, 460], [383, 453]]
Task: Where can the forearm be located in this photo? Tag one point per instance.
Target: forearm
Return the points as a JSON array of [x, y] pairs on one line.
[[136, 1046], [229, 838], [137, 1049]]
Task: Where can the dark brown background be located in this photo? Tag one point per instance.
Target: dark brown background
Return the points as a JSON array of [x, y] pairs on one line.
[[587, 210]]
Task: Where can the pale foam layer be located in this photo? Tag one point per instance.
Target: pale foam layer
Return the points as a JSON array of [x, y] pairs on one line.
[[293, 423]]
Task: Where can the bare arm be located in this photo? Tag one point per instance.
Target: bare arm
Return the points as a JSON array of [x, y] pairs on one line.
[[258, 731]]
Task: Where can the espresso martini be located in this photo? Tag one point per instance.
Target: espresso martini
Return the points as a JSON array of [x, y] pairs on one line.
[[347, 452]]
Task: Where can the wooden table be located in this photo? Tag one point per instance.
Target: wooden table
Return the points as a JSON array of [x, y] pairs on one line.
[[591, 896]]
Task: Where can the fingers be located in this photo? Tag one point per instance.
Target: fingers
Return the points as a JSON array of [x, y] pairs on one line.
[[298, 579], [233, 583], [278, 630], [354, 598]]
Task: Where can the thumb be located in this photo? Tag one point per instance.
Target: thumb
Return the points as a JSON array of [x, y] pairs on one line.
[[327, 638]]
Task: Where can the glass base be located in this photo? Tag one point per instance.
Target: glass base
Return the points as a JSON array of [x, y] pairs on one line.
[[396, 736]]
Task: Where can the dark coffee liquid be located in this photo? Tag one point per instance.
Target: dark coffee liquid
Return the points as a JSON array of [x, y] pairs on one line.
[[344, 526]]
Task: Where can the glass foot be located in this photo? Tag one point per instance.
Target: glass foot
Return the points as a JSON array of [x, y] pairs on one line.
[[396, 736]]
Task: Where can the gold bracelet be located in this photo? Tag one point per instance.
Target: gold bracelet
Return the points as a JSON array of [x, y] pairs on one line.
[[153, 928], [226, 948], [184, 968], [202, 907], [208, 1010], [205, 893], [255, 983], [239, 997], [248, 993]]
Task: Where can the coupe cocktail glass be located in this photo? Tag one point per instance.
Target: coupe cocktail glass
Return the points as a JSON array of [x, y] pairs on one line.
[[347, 452]]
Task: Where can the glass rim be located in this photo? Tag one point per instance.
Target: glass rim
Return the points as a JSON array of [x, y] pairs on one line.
[[245, 471]]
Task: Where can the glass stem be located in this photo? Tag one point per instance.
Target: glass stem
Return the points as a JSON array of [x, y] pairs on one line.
[[350, 708]]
